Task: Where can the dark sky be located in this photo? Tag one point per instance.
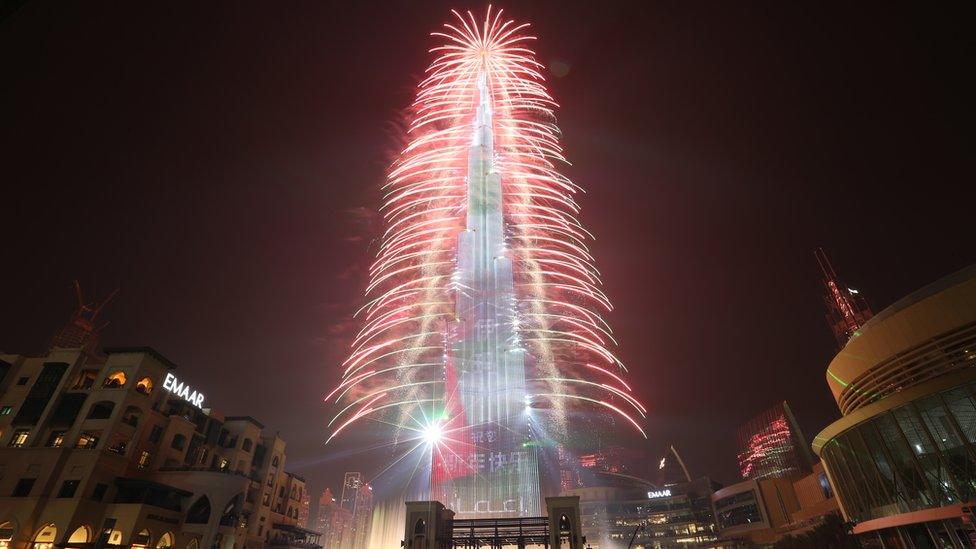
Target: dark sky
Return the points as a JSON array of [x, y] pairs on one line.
[[218, 163]]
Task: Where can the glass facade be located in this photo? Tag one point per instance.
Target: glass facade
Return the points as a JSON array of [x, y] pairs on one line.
[[681, 516], [738, 509], [917, 456], [772, 446]]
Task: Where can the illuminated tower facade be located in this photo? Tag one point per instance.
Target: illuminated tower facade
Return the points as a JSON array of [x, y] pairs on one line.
[[357, 502], [847, 310], [771, 445], [483, 332], [491, 468]]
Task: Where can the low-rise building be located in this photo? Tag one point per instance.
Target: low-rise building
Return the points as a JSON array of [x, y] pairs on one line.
[[762, 511], [115, 449]]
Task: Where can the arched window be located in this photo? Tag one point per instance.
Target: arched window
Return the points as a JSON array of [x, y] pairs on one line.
[[247, 445], [114, 380], [101, 410], [132, 415], [564, 524], [165, 541], [179, 441], [7, 530], [46, 537], [144, 386], [199, 512], [81, 535], [420, 528], [193, 544], [141, 540], [229, 516], [274, 461]]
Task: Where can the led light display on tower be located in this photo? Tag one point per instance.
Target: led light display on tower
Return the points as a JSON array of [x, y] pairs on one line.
[[483, 325], [771, 445]]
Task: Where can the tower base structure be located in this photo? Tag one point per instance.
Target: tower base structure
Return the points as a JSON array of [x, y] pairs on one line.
[[430, 525]]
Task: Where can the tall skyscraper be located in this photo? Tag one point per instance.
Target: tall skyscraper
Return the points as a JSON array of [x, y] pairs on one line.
[[332, 521], [771, 445], [357, 501], [495, 470], [483, 331], [847, 310]]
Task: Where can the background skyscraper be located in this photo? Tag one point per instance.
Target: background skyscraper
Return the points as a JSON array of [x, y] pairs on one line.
[[332, 521], [357, 502], [771, 445]]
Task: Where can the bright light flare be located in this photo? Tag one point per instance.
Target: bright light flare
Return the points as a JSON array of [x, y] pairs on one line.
[[433, 433]]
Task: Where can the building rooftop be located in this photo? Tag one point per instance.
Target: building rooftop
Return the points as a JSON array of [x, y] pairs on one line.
[[248, 419], [140, 349], [924, 292]]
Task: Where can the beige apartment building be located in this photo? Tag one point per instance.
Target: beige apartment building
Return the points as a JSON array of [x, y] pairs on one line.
[[117, 449]]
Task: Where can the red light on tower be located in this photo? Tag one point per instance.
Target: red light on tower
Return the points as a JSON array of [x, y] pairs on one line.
[[847, 310]]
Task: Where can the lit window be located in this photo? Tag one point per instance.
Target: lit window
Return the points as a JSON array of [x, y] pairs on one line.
[[56, 440], [145, 459], [6, 534], [5, 410], [223, 464], [115, 380], [144, 386], [82, 534], [87, 440], [165, 541], [46, 537], [141, 540], [19, 439]]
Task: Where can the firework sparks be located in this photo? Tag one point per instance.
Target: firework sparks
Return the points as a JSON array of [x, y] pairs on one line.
[[483, 76]]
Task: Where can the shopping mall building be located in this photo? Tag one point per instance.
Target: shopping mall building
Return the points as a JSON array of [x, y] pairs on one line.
[[902, 459], [620, 508], [117, 449]]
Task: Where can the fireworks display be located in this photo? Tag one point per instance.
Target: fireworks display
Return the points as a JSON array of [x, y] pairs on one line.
[[484, 303]]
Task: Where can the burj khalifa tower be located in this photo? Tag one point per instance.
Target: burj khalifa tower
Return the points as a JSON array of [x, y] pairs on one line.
[[492, 469], [483, 337]]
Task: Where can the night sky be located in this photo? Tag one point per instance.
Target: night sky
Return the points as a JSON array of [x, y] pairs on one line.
[[220, 163]]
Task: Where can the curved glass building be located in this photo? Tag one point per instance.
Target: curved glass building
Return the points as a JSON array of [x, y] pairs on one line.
[[902, 459]]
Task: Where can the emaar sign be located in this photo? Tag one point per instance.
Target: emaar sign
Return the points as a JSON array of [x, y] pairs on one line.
[[182, 390], [659, 494]]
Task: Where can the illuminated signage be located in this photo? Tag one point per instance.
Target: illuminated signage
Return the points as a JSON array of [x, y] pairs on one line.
[[182, 390], [659, 494]]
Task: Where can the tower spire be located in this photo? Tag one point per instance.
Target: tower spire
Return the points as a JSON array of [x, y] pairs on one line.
[[847, 310], [81, 330]]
